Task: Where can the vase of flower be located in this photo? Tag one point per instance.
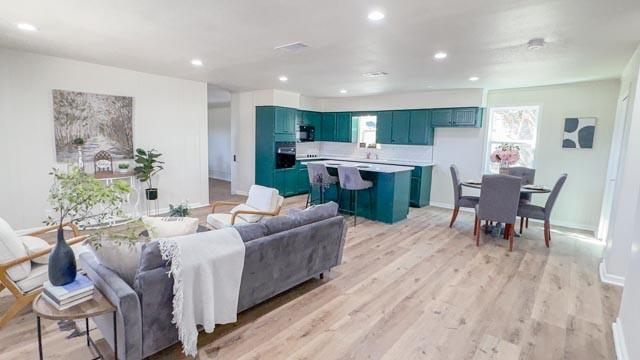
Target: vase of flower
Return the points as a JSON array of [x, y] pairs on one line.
[[506, 155]]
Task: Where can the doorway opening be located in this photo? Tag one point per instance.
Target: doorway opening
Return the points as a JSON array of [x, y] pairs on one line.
[[219, 134]]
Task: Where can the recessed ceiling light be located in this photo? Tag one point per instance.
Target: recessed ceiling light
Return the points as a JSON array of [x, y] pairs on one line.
[[196, 62], [283, 78], [343, 91], [474, 78], [375, 15], [535, 44], [440, 55], [26, 27]]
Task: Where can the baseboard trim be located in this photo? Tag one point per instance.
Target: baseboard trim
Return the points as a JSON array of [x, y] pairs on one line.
[[607, 278], [556, 223], [618, 341], [220, 175]]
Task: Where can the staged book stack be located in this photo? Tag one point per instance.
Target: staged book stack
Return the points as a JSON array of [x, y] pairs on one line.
[[66, 296]]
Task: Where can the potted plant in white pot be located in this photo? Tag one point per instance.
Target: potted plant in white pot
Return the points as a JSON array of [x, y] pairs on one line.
[[148, 166], [74, 197]]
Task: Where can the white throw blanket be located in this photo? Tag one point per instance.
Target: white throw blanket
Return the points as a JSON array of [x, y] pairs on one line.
[[206, 269]]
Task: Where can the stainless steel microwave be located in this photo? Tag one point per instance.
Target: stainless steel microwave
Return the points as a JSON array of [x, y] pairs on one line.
[[306, 133]]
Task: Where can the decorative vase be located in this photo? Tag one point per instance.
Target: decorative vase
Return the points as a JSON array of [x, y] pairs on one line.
[[80, 160], [62, 262], [151, 193], [504, 168]]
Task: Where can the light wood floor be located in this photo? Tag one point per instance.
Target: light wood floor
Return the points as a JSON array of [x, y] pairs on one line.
[[413, 290]]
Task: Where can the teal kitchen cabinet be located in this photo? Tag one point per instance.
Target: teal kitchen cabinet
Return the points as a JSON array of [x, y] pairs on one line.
[[384, 125], [420, 130], [265, 145], [346, 127], [420, 186], [457, 117], [312, 118], [286, 181], [279, 180], [400, 127], [303, 179], [328, 129], [285, 120]]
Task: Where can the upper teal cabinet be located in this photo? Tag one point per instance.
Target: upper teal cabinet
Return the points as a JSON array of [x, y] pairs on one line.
[[384, 124], [346, 128], [285, 122], [312, 118], [328, 128], [457, 117], [400, 127], [420, 129]]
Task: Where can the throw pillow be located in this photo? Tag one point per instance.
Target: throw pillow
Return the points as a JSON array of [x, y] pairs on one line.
[[11, 248], [34, 244], [164, 227], [121, 257]]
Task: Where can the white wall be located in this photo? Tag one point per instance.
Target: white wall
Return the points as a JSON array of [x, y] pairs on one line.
[[220, 142], [581, 198], [169, 115]]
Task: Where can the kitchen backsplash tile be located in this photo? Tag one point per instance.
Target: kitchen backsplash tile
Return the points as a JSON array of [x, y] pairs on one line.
[[386, 151]]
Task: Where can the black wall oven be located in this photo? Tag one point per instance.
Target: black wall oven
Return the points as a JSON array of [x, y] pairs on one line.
[[306, 133], [285, 155]]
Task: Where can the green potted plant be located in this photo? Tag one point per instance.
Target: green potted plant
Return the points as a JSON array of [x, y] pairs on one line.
[[123, 167], [74, 196], [181, 210], [148, 166]]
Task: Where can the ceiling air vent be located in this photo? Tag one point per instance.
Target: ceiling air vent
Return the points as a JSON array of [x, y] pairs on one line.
[[291, 47], [375, 74]]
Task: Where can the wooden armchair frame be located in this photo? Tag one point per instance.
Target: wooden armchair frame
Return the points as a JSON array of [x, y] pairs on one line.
[[23, 299], [276, 212]]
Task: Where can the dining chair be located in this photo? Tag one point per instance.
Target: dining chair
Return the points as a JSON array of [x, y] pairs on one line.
[[528, 176], [319, 176], [458, 199], [543, 213], [351, 180], [499, 198]]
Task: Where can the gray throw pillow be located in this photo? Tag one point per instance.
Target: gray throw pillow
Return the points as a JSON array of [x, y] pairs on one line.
[[120, 257], [314, 213]]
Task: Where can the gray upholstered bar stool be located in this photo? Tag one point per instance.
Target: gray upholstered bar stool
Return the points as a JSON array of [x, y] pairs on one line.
[[351, 180], [528, 176], [320, 177], [499, 199]]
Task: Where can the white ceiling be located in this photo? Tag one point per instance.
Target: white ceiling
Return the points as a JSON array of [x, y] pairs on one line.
[[589, 39]]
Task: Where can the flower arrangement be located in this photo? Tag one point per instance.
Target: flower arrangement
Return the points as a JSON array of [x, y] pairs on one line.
[[506, 154]]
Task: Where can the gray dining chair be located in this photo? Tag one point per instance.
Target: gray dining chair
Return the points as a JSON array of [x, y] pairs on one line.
[[499, 199], [543, 213], [458, 199], [319, 177], [351, 180], [528, 176]]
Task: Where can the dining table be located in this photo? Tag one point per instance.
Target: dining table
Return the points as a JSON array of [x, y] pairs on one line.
[[497, 229]]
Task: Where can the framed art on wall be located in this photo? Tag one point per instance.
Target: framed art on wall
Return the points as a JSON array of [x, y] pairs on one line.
[[579, 133]]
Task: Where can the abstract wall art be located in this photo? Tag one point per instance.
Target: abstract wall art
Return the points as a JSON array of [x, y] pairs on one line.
[[579, 133]]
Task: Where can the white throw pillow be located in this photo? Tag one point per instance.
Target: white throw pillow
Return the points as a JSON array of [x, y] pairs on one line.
[[121, 257], [164, 227], [11, 248], [246, 217], [34, 244]]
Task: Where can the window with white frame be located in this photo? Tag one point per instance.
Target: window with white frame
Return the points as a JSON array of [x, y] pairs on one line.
[[518, 126], [367, 130]]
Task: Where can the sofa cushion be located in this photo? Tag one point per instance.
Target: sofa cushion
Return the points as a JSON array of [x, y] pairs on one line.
[[11, 248], [34, 244], [278, 224], [121, 257], [314, 213], [262, 198], [162, 227], [250, 232]]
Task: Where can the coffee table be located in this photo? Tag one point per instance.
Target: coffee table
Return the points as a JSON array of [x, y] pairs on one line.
[[99, 305]]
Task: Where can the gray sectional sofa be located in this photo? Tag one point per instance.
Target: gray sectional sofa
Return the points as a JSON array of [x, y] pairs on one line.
[[281, 252]]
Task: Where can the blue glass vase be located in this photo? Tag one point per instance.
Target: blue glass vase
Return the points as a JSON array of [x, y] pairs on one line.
[[62, 262]]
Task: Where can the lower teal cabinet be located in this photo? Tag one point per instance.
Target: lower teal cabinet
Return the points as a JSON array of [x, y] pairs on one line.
[[303, 180], [286, 181], [420, 186]]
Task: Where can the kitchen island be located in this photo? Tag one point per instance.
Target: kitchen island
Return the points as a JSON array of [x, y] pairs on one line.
[[389, 200]]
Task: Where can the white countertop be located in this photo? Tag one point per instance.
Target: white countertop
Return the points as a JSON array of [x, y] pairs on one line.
[[362, 166], [364, 160]]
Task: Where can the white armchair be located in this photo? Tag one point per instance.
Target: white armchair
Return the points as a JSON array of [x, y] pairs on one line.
[[23, 264], [262, 202]]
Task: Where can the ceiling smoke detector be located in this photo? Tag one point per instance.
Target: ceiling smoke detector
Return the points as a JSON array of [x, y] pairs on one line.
[[375, 74], [291, 47], [535, 44]]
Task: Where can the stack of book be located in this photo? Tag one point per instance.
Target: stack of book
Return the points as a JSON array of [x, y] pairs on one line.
[[66, 296]]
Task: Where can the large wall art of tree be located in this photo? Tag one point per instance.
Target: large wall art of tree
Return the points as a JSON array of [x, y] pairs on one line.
[[104, 122]]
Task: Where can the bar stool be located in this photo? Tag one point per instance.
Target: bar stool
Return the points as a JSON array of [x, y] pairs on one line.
[[319, 176], [351, 180]]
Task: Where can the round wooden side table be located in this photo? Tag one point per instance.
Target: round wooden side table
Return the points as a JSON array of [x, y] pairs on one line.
[[99, 305]]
